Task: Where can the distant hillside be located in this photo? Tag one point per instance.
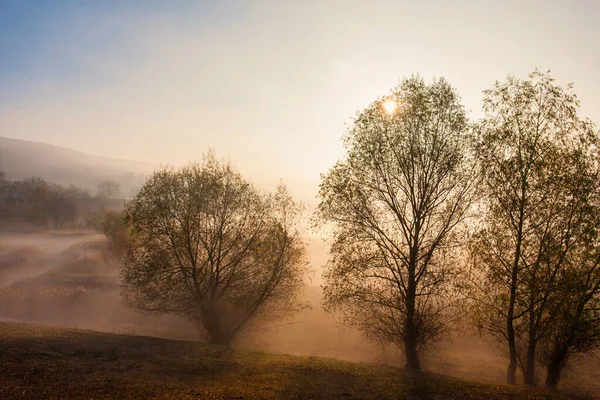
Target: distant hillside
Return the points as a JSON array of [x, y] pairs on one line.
[[21, 159]]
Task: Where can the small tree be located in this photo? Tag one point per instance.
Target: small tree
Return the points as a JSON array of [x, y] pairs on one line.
[[206, 245], [395, 202], [108, 189], [59, 206], [82, 201], [117, 236], [36, 191]]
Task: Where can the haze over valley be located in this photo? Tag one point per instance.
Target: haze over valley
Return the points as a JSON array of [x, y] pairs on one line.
[[300, 200]]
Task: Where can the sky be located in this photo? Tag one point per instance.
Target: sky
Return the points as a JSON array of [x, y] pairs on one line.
[[272, 85]]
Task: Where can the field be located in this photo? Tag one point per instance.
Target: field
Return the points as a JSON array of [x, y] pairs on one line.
[[40, 362], [61, 279]]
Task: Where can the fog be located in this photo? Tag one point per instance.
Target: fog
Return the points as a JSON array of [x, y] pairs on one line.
[[114, 92], [62, 279], [28, 255]]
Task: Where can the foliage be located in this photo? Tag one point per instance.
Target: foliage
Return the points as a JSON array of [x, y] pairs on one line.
[[532, 151], [59, 206], [206, 245], [117, 235], [395, 203], [574, 309], [108, 189], [52, 205]]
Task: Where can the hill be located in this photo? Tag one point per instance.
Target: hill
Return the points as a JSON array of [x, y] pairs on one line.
[[40, 362], [59, 278], [21, 159]]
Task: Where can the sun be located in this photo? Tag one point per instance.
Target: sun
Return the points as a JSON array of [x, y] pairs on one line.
[[390, 106]]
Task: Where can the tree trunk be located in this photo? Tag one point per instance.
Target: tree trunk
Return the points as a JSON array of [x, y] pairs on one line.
[[552, 376], [530, 363], [557, 362], [410, 331], [213, 326], [410, 350], [410, 344], [510, 329], [531, 345], [511, 373]]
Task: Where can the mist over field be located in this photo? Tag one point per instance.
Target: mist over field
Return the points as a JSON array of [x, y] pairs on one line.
[[61, 278]]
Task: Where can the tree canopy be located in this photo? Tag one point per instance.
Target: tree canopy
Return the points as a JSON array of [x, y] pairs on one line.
[[395, 203], [206, 245]]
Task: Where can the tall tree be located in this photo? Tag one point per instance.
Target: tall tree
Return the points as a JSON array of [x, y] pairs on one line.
[[530, 213], [574, 304], [206, 245], [395, 202]]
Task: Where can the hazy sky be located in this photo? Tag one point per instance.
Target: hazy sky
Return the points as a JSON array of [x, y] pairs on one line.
[[270, 84]]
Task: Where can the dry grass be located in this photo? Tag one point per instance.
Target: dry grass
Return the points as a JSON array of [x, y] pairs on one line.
[[40, 362], [72, 286]]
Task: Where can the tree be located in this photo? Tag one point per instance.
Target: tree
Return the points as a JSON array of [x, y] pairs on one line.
[[531, 210], [82, 202], [206, 245], [34, 191], [575, 309], [108, 189], [576, 327], [115, 230], [395, 203], [59, 206]]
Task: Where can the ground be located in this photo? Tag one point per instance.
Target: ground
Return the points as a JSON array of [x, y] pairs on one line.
[[43, 362], [60, 278]]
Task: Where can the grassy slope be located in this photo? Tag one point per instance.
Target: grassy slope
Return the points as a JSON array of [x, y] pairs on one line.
[[39, 362]]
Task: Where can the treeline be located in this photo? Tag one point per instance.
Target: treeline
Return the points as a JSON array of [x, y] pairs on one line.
[[38, 201]]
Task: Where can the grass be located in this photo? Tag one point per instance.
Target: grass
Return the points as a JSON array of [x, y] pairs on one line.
[[42, 362]]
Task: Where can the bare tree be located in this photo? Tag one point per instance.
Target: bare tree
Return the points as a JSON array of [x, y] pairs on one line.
[[108, 189], [531, 210], [59, 206], [395, 203], [206, 245], [83, 204]]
